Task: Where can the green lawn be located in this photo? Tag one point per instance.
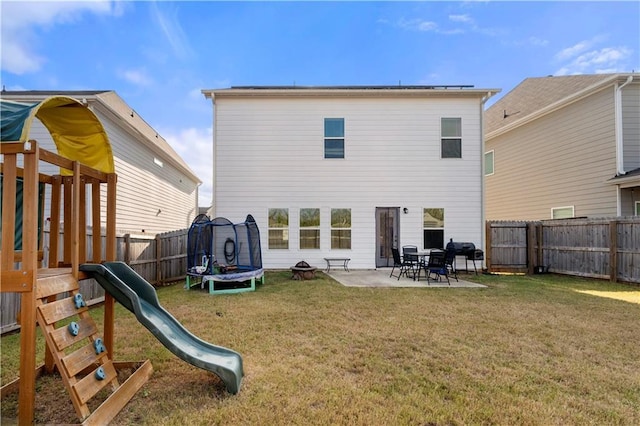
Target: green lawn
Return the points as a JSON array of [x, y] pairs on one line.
[[532, 350]]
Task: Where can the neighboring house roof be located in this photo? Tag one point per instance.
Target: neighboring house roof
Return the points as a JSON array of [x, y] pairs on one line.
[[631, 178], [539, 95], [112, 104]]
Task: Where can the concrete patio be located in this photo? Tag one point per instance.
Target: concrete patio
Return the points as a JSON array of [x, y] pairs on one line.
[[380, 278]]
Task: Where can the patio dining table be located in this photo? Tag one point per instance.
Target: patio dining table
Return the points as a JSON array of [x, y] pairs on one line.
[[422, 260]]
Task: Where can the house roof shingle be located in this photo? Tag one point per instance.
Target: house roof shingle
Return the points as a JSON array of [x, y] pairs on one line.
[[537, 93]]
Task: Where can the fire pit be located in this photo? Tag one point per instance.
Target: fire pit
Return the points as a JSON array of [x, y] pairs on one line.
[[303, 271]]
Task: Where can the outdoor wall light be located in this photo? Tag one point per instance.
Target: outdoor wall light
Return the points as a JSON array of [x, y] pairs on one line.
[[405, 210]]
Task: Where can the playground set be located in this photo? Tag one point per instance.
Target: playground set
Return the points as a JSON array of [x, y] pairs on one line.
[[223, 254], [50, 294]]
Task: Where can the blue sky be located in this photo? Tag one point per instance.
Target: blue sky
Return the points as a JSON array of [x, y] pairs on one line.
[[158, 56]]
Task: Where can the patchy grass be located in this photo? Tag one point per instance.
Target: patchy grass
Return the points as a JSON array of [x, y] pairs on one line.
[[530, 350]]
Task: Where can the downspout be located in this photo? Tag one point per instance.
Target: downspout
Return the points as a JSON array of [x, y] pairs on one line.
[[214, 131], [618, 127], [482, 149], [619, 140]]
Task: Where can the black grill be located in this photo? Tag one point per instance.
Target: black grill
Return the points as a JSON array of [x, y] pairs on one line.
[[468, 250]]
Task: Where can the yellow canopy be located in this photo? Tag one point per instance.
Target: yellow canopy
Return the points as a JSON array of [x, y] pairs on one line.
[[75, 129]]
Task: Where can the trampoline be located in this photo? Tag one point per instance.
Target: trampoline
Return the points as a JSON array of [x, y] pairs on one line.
[[224, 255]]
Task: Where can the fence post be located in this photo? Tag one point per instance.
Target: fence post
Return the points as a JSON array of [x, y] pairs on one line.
[[531, 248], [539, 237], [613, 251], [127, 248], [159, 278], [488, 246]]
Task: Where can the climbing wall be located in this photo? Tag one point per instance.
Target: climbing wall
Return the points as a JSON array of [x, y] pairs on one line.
[[76, 347]]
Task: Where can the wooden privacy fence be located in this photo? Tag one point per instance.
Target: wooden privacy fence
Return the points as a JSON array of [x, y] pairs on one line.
[[159, 259], [606, 248]]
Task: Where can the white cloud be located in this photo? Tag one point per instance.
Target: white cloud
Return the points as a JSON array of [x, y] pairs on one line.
[[417, 25], [23, 21], [138, 77], [172, 30], [195, 147], [579, 47], [607, 59], [574, 50], [461, 18]]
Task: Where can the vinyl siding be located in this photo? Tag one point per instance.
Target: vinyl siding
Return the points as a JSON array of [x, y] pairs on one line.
[[631, 126], [142, 186], [561, 159], [270, 154]]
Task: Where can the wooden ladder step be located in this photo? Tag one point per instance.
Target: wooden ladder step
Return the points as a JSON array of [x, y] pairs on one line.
[[53, 281], [62, 339], [89, 385], [81, 359]]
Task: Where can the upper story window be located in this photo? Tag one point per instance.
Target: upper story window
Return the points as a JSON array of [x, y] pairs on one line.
[[340, 228], [433, 228], [278, 228], [488, 163], [451, 137], [334, 138], [637, 208], [309, 228]]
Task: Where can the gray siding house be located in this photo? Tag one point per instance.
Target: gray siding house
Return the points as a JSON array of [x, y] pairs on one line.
[[350, 171], [156, 190], [559, 147]]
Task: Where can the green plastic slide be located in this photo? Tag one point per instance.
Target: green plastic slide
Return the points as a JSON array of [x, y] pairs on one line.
[[139, 297]]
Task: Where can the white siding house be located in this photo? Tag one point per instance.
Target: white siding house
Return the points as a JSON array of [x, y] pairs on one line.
[[350, 171], [156, 189], [565, 147]]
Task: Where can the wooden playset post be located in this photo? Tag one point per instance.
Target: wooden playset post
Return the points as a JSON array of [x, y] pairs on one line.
[[109, 302]]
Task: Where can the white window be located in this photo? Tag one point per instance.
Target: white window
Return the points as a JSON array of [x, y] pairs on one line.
[[451, 137], [340, 228], [637, 208], [433, 228], [278, 228], [309, 228], [334, 138], [488, 163], [562, 212]]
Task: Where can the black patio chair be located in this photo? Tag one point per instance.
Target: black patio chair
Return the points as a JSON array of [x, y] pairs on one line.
[[399, 262], [410, 256], [437, 266], [450, 260]]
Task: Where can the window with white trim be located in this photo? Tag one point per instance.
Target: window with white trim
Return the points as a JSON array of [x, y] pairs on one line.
[[488, 163], [309, 228], [637, 208], [451, 137], [566, 212], [433, 228], [278, 228], [340, 228], [334, 138]]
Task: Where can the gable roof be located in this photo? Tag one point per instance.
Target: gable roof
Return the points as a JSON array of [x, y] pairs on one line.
[[536, 95], [109, 102]]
